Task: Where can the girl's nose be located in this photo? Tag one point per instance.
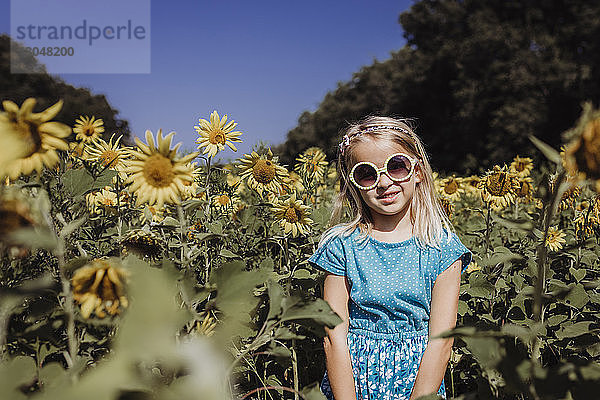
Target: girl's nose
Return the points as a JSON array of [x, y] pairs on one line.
[[384, 180]]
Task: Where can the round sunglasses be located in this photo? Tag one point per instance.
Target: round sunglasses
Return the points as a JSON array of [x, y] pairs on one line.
[[399, 167]]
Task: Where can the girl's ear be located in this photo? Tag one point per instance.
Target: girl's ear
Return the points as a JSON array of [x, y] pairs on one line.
[[418, 173]]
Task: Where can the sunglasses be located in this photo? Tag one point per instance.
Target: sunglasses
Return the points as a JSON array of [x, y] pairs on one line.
[[399, 167]]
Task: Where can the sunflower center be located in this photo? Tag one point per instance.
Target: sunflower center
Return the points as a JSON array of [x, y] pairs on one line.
[[524, 189], [520, 166], [28, 133], [109, 158], [217, 137], [158, 171], [223, 199], [88, 130], [263, 171], [451, 187], [291, 215], [497, 184]]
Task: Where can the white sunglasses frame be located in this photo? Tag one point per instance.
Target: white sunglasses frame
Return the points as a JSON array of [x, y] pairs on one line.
[[383, 170]]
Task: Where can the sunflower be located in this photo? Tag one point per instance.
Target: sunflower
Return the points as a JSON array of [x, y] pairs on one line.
[[498, 187], [37, 138], [312, 164], [109, 155], [263, 172], [142, 243], [584, 225], [191, 188], [521, 166], [99, 288], [224, 201], [569, 196], [473, 266], [292, 216], [105, 199], [451, 188], [217, 133], [555, 239], [294, 181], [524, 192], [156, 175], [88, 129]]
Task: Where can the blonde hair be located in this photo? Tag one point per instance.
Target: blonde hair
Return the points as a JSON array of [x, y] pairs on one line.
[[430, 223]]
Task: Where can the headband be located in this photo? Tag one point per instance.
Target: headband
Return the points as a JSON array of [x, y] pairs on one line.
[[346, 139]]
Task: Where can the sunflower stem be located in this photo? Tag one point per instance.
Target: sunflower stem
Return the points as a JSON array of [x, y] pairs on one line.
[[487, 229]]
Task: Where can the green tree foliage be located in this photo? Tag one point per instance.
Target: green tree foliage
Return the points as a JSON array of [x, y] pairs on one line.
[[478, 76], [49, 89]]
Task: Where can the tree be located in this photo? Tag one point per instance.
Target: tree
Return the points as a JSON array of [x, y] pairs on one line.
[[478, 76]]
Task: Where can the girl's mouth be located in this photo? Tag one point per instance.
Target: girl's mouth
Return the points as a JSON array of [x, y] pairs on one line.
[[389, 198]]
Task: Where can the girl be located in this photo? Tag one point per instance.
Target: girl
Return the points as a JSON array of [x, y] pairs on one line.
[[397, 260]]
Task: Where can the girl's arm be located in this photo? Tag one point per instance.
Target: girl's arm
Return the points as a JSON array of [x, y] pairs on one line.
[[444, 307], [339, 367]]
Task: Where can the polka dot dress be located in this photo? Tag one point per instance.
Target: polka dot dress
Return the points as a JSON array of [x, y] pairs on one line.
[[389, 307]]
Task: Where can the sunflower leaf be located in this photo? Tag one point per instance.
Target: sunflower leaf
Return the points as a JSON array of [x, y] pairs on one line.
[[548, 151]]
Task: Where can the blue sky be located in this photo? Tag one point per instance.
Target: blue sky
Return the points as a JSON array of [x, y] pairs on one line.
[[262, 63]]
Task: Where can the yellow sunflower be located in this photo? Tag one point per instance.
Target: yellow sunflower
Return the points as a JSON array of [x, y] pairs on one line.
[[99, 288], [207, 326], [584, 225], [312, 164], [262, 172], [33, 136], [451, 188], [569, 196], [473, 266], [191, 187], [156, 174], [224, 201], [521, 166], [16, 212], [110, 155], [87, 128], [294, 181], [217, 133], [498, 187], [292, 216], [555, 239]]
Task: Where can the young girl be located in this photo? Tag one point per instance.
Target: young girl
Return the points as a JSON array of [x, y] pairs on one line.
[[393, 271]]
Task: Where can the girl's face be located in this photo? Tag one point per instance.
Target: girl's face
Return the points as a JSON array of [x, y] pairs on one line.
[[378, 153]]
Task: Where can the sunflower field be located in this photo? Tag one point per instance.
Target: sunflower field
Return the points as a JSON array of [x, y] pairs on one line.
[[142, 273]]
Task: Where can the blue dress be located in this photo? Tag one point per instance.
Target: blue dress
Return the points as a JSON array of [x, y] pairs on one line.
[[389, 307]]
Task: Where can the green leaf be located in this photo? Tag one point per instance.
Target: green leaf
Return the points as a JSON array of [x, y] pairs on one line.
[[574, 330], [313, 392], [548, 151], [577, 297], [227, 253], [578, 274]]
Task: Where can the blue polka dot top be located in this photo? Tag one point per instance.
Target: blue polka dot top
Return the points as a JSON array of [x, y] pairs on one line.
[[390, 283]]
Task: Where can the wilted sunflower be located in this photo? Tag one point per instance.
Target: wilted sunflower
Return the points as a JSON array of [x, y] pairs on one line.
[[263, 172], [217, 133], [37, 138], [156, 174], [584, 225], [99, 288], [312, 164], [521, 166], [498, 187], [451, 188], [569, 196], [88, 129], [524, 192], [555, 239], [582, 154], [292, 216], [110, 155], [144, 244]]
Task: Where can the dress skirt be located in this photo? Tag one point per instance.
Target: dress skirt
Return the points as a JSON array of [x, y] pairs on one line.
[[384, 365]]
